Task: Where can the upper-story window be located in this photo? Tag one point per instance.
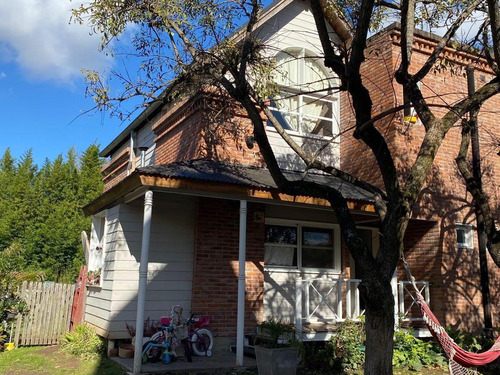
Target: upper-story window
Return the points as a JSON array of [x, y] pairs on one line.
[[306, 103]]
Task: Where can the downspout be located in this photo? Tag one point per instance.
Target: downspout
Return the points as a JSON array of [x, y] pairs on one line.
[[143, 280], [131, 155], [240, 325]]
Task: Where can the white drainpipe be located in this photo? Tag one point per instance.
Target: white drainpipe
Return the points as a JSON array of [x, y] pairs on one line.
[[143, 280], [131, 155], [240, 325]]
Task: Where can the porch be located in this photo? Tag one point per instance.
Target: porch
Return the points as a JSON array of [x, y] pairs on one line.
[[221, 361]]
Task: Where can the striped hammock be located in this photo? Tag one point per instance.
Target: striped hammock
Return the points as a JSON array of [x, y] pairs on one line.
[[460, 360]]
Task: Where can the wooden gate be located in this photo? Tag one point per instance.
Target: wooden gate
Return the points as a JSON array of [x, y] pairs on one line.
[[49, 313], [79, 299]]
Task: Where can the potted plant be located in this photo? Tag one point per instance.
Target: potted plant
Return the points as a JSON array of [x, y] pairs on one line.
[[277, 350]]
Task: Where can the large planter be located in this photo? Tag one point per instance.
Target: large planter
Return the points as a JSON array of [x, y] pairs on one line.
[[278, 361]]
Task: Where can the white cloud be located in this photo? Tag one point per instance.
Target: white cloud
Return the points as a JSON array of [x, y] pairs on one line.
[[2, 75], [40, 39]]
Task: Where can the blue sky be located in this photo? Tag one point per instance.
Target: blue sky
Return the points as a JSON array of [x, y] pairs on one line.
[[42, 91]]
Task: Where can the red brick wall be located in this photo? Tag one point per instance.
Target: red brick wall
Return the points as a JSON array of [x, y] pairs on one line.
[[201, 128], [432, 251], [215, 283]]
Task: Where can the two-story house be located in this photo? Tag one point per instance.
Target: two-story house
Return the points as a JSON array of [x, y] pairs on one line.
[[211, 206]]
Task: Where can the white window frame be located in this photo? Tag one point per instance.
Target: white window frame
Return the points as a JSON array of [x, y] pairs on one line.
[[468, 234], [299, 224], [326, 96]]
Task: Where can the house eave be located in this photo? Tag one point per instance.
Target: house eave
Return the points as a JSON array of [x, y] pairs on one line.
[[136, 182]]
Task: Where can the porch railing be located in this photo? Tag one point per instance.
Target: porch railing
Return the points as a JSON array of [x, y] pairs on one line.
[[332, 300], [408, 309]]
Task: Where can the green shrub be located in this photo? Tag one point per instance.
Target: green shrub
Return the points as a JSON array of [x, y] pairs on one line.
[[468, 341], [347, 346], [414, 353], [83, 341], [277, 333]]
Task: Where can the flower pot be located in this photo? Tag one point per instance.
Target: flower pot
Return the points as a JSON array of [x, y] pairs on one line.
[[126, 351], [277, 361]]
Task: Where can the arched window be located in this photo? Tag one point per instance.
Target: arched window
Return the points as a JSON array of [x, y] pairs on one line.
[[305, 104]]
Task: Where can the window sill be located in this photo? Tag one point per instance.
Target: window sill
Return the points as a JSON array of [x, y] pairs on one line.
[[300, 135], [93, 286], [324, 271]]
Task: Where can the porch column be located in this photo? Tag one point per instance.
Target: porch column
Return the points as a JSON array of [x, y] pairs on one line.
[[240, 326], [143, 280], [394, 285]]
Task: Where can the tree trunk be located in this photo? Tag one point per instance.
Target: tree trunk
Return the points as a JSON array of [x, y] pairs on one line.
[[379, 320]]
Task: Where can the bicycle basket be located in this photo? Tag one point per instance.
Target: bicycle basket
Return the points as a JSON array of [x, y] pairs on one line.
[[181, 332]]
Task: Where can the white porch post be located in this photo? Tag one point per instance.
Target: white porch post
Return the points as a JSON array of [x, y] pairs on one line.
[[298, 307], [240, 327], [394, 285], [143, 280]]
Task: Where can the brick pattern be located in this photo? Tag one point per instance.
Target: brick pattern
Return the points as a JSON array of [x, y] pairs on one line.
[[215, 282], [211, 127], [432, 251]]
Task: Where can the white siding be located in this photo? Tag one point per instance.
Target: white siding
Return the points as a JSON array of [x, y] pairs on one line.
[[170, 271], [145, 138], [294, 27]]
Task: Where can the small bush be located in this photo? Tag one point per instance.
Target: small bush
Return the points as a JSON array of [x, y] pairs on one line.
[[468, 341], [278, 334], [347, 346], [83, 341], [414, 353]]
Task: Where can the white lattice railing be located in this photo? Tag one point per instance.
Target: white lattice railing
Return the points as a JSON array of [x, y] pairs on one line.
[[408, 309], [334, 300]]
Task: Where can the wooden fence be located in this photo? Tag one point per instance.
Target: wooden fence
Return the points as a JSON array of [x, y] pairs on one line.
[[49, 313]]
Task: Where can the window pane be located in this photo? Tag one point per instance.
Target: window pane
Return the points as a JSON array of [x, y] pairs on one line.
[[317, 258], [314, 76], [288, 69], [281, 234], [318, 108], [317, 126], [280, 256], [317, 237], [461, 236]]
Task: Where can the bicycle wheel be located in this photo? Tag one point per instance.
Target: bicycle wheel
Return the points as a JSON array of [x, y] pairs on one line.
[[203, 343], [152, 354]]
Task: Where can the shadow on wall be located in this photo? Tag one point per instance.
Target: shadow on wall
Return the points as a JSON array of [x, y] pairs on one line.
[[454, 269]]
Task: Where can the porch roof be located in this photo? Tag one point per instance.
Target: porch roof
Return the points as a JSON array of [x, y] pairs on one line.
[[204, 175]]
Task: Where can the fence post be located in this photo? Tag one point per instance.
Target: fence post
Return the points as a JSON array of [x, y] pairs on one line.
[[19, 321], [298, 307]]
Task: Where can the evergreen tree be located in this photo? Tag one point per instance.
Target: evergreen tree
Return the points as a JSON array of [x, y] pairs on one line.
[[41, 209]]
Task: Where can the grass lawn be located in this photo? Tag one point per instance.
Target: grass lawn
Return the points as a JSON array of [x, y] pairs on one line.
[[50, 360]]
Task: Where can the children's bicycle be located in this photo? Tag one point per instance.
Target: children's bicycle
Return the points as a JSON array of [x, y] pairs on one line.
[[164, 343], [200, 339], [192, 335]]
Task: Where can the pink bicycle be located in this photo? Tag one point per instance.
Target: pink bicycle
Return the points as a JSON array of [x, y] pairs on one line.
[[200, 339], [193, 335]]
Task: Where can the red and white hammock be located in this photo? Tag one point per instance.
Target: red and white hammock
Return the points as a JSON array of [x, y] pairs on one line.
[[460, 360]]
